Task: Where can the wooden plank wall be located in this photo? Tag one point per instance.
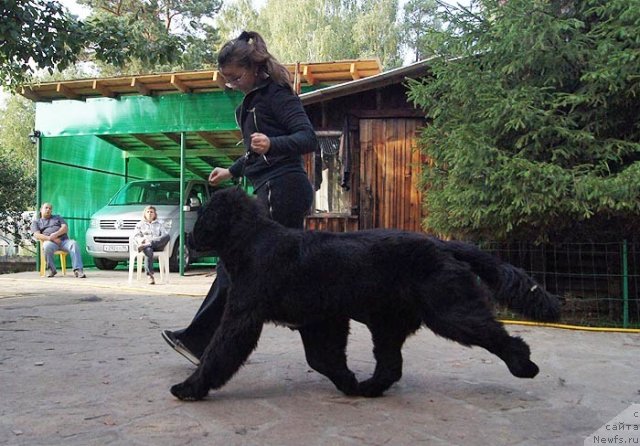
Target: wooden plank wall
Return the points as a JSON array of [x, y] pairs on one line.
[[333, 223], [390, 170]]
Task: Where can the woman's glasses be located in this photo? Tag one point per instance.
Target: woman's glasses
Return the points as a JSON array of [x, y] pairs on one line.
[[231, 83]]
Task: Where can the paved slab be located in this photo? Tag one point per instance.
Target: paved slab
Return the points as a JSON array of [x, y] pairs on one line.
[[82, 363]]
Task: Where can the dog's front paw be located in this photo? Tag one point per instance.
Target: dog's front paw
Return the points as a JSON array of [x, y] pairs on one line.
[[523, 368], [189, 391], [517, 359], [370, 388]]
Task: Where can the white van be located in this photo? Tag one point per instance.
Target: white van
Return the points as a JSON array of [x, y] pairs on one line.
[[107, 239]]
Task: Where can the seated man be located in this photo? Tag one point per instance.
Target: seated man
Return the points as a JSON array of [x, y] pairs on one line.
[[51, 230]]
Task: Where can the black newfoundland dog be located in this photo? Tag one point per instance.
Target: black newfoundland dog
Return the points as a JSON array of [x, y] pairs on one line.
[[391, 281]]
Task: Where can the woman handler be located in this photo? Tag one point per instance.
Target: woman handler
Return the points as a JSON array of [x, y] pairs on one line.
[[276, 133]]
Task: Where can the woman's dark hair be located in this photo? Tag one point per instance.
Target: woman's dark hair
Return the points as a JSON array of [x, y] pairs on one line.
[[249, 50]]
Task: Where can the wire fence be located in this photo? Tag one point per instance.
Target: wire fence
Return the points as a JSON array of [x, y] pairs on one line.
[[600, 282]]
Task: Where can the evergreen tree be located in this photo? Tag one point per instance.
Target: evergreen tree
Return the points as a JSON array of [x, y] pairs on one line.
[[420, 16], [151, 36], [534, 121]]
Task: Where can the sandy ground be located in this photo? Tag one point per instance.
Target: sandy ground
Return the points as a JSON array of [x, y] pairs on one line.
[[82, 363]]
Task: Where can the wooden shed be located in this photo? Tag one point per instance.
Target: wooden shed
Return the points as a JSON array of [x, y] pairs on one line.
[[371, 167]]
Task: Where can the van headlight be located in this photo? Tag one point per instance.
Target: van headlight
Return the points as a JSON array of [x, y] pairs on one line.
[[95, 223], [167, 224]]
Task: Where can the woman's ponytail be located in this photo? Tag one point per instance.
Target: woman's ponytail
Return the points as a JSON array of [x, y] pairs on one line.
[[249, 50]]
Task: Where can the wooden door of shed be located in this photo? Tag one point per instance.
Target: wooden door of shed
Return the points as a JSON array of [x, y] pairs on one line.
[[390, 170]]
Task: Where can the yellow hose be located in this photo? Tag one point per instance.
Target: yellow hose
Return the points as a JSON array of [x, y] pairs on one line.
[[572, 327]]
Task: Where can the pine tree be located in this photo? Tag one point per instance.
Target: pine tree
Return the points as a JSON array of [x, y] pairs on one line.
[[534, 121]]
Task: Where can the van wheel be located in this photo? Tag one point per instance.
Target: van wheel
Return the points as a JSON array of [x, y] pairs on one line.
[[106, 264], [174, 260]]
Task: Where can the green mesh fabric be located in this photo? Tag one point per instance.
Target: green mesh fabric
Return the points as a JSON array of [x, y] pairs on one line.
[[81, 170], [139, 114], [80, 174]]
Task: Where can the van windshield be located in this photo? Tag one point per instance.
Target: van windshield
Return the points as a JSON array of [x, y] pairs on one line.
[[148, 192]]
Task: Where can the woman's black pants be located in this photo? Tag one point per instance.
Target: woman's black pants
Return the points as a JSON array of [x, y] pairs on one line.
[[288, 199]]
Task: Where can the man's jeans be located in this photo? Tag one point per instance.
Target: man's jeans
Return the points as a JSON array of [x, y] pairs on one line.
[[68, 245]]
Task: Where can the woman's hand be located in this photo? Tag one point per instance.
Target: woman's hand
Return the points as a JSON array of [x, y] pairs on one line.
[[218, 175], [260, 143]]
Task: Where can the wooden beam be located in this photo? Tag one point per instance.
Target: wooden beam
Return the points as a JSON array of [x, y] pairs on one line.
[[159, 157], [329, 133], [104, 91], [232, 152], [179, 84], [226, 150], [142, 88], [219, 79], [175, 137], [67, 92], [174, 168], [118, 142], [222, 144], [149, 142], [196, 170], [169, 153], [28, 93], [199, 81], [208, 138], [308, 75], [222, 138], [353, 70], [395, 113]]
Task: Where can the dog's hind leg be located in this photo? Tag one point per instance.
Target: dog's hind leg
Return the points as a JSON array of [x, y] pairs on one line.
[[461, 315], [388, 335], [325, 345]]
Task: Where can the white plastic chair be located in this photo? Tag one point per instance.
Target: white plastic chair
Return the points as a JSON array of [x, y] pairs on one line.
[[161, 256]]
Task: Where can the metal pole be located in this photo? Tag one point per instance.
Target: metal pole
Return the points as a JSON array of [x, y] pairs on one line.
[[183, 144], [625, 285], [38, 142], [125, 155]]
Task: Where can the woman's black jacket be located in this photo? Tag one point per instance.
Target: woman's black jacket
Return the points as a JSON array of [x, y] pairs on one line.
[[277, 112]]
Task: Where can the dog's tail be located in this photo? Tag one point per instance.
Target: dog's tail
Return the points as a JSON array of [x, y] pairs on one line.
[[511, 286]]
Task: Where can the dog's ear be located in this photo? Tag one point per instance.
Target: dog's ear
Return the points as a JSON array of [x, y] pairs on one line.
[[227, 206], [232, 206], [216, 220], [228, 199], [229, 214]]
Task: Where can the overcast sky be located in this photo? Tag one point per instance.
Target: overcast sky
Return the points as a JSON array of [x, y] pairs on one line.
[[83, 11]]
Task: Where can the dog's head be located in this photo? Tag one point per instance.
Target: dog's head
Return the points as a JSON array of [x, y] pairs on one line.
[[229, 214]]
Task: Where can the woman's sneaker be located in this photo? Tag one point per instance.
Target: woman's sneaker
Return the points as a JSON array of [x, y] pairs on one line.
[[179, 347]]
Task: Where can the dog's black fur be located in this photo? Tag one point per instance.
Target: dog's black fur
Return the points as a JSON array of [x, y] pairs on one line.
[[392, 281]]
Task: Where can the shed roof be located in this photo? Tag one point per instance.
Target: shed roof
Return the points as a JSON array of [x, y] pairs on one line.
[[378, 80], [306, 74], [208, 148]]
